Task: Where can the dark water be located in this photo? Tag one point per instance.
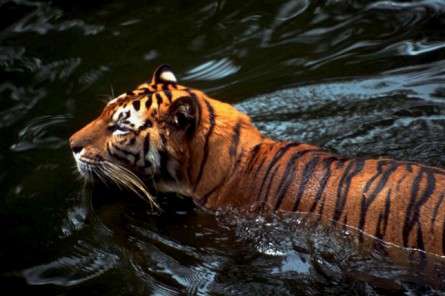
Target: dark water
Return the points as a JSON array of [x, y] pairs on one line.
[[357, 77]]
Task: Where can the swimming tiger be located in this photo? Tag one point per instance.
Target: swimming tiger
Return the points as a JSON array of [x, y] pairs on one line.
[[171, 138]]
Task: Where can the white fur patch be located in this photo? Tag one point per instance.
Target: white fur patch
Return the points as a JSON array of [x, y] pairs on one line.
[[168, 76], [153, 157], [135, 117]]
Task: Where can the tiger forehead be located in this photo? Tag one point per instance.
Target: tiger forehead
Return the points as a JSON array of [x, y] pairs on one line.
[[142, 100]]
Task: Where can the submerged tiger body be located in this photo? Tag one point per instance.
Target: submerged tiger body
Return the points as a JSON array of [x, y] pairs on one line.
[[177, 139]]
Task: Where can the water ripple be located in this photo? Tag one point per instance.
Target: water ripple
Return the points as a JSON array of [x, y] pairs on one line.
[[22, 100], [212, 70], [44, 19], [411, 48], [57, 70], [437, 6], [357, 77], [86, 263], [38, 134], [88, 78], [288, 11], [362, 117]]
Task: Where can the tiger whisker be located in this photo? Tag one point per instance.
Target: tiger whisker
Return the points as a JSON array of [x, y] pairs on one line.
[[124, 178]]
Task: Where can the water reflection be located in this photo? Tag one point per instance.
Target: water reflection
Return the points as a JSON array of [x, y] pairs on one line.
[[361, 78], [212, 70], [35, 134], [229, 255], [86, 263], [22, 101], [45, 18]]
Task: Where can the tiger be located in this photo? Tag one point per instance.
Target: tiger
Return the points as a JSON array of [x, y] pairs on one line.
[[166, 137]]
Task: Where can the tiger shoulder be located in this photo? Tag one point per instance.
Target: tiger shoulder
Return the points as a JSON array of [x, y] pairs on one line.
[[172, 138]]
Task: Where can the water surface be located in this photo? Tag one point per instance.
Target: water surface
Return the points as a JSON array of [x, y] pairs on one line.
[[356, 77]]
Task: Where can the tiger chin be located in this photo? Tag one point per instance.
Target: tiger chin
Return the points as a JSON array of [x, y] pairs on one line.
[[172, 138]]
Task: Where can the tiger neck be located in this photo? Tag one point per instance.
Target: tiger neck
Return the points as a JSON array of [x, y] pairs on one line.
[[227, 188], [219, 167], [246, 186]]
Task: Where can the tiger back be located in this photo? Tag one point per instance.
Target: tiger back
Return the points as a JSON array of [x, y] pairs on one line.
[[165, 137]]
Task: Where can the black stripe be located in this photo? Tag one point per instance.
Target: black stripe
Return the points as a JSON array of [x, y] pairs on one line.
[[168, 94], [148, 102], [147, 124], [293, 166], [206, 142], [130, 93], [126, 122], [443, 238], [146, 147], [269, 185], [123, 115], [383, 218], [119, 117], [366, 200], [289, 175], [163, 168], [158, 99], [108, 149], [260, 164], [198, 106], [436, 211], [253, 155], [136, 104], [203, 201], [343, 187], [340, 164], [345, 222], [338, 202], [434, 170], [163, 139], [306, 176], [371, 180], [280, 153], [115, 155], [324, 181], [254, 158], [235, 139], [125, 152], [419, 242], [413, 210], [146, 91]]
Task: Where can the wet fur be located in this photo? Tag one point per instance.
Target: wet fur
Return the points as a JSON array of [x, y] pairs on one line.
[[207, 150]]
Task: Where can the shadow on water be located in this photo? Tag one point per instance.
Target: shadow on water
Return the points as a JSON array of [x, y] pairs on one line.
[[361, 78]]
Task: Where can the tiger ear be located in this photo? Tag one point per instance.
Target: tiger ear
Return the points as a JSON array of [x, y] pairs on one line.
[[183, 115], [163, 74]]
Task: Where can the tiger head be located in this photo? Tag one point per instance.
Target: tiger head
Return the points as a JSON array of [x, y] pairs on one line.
[[165, 136]]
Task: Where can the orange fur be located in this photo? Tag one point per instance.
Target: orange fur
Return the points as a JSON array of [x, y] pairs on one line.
[[212, 153]]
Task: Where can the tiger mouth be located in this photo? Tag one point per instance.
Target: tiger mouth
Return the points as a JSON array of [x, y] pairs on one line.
[[108, 172], [90, 161]]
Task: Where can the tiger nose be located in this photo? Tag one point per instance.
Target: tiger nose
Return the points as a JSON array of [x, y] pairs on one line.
[[75, 146]]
